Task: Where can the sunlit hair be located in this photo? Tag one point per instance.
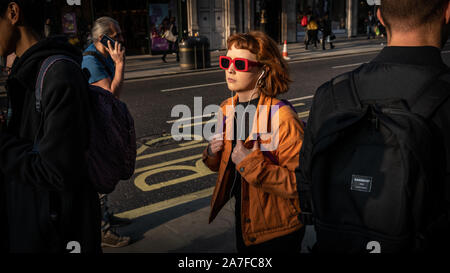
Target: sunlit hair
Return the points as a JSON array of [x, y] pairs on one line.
[[102, 26], [276, 80]]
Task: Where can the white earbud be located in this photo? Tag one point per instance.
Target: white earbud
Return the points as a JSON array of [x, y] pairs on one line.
[[260, 77], [262, 74]]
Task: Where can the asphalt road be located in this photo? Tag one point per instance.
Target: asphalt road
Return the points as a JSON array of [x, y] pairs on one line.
[[169, 173]]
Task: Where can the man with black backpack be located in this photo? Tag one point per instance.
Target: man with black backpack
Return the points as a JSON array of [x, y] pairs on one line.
[[374, 169], [105, 66], [48, 202]]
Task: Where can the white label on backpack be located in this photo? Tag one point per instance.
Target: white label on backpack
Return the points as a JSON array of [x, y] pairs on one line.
[[361, 183]]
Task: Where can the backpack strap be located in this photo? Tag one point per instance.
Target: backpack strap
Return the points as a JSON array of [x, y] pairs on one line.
[[280, 104], [101, 59], [46, 65], [344, 92], [427, 103]]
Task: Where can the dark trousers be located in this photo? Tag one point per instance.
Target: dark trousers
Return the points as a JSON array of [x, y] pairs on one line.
[[324, 40], [106, 214], [173, 48], [312, 38]]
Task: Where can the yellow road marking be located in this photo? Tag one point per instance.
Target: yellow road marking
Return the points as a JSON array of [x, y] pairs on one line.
[[190, 143], [303, 114], [143, 148], [150, 142], [299, 104], [155, 166], [171, 151], [199, 170], [139, 212]]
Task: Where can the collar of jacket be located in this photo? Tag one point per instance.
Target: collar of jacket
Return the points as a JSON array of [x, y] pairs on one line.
[[411, 55]]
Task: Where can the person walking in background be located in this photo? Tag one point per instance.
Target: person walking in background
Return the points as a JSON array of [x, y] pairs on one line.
[[105, 66], [262, 182], [326, 31], [313, 31], [172, 38], [370, 24], [170, 33]]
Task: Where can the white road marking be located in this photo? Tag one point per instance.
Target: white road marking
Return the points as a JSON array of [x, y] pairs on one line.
[[193, 86], [347, 65]]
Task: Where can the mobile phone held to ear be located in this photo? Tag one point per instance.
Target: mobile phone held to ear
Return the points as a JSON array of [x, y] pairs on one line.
[[105, 40]]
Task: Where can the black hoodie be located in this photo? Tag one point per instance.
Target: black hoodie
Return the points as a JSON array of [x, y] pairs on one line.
[[49, 198]]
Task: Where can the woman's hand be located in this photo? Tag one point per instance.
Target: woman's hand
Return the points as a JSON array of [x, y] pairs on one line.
[[215, 145], [240, 152], [117, 53]]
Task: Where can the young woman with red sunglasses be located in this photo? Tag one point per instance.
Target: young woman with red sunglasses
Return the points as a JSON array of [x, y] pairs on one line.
[[262, 182]]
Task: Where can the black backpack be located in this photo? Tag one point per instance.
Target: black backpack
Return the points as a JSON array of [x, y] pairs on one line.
[[377, 172], [111, 156]]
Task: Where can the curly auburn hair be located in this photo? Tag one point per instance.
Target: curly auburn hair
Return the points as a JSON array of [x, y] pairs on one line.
[[276, 80]]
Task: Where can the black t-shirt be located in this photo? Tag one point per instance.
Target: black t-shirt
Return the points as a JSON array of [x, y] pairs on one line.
[[235, 176]]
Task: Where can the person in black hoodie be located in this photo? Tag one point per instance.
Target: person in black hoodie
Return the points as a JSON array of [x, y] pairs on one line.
[[46, 194]]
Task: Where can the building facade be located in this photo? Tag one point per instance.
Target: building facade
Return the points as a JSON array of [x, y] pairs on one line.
[[218, 19], [141, 20]]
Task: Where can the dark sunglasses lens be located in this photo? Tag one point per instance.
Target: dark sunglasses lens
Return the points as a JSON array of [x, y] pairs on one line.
[[225, 63], [240, 65]]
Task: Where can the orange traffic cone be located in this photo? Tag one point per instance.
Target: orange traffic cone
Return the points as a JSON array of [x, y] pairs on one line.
[[285, 51]]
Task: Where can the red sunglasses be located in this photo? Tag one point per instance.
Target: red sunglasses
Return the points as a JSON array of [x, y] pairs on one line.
[[240, 64]]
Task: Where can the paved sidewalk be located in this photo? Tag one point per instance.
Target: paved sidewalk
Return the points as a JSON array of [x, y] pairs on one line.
[[165, 232]]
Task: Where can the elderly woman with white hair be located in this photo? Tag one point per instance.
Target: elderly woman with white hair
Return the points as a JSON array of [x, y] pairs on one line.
[[105, 66]]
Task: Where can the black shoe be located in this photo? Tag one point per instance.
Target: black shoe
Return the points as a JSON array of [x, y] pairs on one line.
[[163, 59], [118, 222], [332, 46]]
